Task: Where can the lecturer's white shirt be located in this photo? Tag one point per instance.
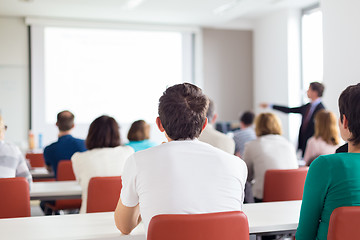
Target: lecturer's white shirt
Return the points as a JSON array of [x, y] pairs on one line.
[[182, 177]]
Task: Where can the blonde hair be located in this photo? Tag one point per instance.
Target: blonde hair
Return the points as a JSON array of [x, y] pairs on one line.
[[267, 123], [326, 127]]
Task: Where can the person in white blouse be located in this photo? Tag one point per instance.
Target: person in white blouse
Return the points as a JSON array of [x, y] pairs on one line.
[[326, 138], [105, 156], [269, 151]]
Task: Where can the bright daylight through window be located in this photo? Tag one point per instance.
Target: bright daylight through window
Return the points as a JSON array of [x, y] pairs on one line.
[[312, 47]]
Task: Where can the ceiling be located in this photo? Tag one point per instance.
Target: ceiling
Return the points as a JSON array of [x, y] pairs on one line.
[[181, 12]]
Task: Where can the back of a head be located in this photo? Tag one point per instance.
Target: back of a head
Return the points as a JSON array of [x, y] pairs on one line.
[[317, 87], [210, 111], [247, 118], [103, 132], [182, 111], [326, 127], [65, 120], [139, 131], [349, 106], [267, 123]]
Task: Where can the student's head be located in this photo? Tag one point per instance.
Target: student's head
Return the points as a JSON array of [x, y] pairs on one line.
[[139, 131], [103, 132], [267, 123], [247, 118], [65, 121], [315, 90], [326, 127], [2, 128], [210, 114], [182, 111], [349, 109]]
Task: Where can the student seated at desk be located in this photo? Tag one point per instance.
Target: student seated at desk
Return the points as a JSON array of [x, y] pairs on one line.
[[326, 137], [12, 162], [183, 175], [333, 180], [138, 135], [105, 156], [269, 151]]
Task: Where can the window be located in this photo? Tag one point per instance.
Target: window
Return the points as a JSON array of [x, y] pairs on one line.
[[312, 47]]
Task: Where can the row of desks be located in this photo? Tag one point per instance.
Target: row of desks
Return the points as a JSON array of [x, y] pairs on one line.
[[263, 218]]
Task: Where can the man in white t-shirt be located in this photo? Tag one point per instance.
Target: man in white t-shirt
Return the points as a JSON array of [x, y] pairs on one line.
[[184, 175]]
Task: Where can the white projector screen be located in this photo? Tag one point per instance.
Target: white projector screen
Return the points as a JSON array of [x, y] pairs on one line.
[[121, 73]]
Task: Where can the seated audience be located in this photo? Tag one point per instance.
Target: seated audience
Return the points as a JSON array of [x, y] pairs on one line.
[[213, 137], [333, 180], [269, 151], [245, 134], [12, 161], [138, 135], [326, 137], [63, 149], [66, 145], [184, 175], [104, 157]]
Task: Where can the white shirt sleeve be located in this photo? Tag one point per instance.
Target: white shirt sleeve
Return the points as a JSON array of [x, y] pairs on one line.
[[129, 196]]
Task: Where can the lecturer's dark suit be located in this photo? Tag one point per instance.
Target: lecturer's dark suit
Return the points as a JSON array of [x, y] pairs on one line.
[[306, 130]]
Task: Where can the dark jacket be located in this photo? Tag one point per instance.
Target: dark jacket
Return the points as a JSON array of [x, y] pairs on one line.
[[306, 131]]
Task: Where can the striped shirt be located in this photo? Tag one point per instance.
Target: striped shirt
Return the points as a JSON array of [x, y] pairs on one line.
[[12, 162], [241, 137]]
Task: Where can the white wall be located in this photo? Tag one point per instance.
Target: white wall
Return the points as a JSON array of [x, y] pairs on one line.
[[341, 48], [14, 87], [276, 70], [228, 71]]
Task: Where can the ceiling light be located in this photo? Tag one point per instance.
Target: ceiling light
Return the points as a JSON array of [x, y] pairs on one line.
[[226, 7], [131, 4]]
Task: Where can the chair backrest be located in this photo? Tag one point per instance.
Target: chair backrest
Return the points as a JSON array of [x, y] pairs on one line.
[[209, 226], [65, 171], [36, 159], [344, 223], [284, 184], [103, 194], [15, 198]]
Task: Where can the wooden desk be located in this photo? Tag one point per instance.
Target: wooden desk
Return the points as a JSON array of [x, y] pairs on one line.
[[55, 190], [263, 218], [41, 173]]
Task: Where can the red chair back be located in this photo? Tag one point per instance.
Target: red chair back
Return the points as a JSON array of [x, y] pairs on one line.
[[36, 159], [15, 198], [284, 184], [65, 172], [344, 223], [209, 226], [103, 194]]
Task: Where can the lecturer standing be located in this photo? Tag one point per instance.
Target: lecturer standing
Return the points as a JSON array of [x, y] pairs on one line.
[[307, 111]]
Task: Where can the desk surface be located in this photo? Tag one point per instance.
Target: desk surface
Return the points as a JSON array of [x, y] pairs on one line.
[[263, 217], [41, 173], [55, 190]]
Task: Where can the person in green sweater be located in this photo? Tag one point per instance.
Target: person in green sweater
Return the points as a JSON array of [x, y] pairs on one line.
[[333, 180]]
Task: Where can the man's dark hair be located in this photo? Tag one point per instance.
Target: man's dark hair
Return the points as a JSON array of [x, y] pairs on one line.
[[317, 87], [182, 111], [349, 105], [247, 118], [103, 132], [65, 120]]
